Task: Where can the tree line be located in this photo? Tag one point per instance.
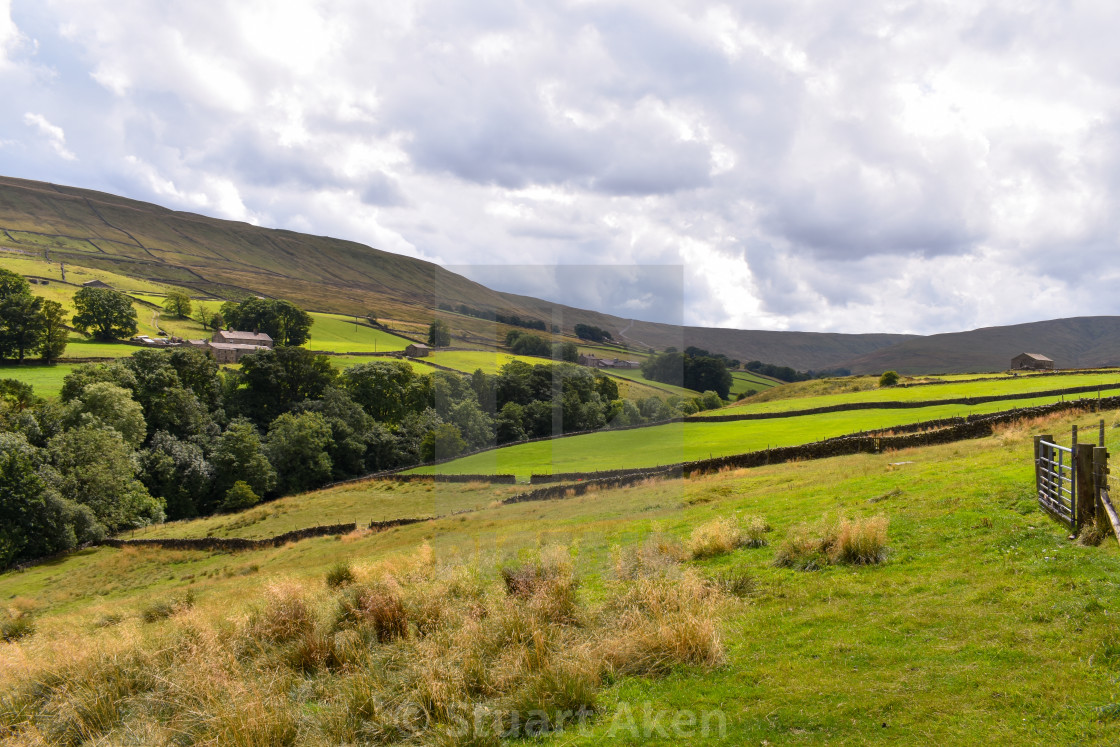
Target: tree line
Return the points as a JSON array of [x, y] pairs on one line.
[[496, 316], [168, 434]]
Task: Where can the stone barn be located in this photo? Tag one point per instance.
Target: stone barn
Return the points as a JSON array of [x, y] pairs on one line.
[[417, 350], [1032, 362]]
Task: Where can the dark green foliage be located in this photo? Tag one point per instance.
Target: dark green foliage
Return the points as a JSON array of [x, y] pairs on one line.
[[54, 335], [511, 319], [178, 472], [34, 519], [105, 405], [239, 455], [565, 351], [283, 321], [239, 497], [21, 324], [380, 387], [271, 382], [889, 378], [700, 373], [95, 467], [524, 343], [593, 333], [444, 442], [104, 313], [439, 334], [297, 447]]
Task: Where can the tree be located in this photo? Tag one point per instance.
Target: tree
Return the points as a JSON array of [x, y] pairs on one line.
[[178, 303], [444, 442], [21, 323], [239, 455], [104, 312], [105, 404], [210, 319], [54, 335], [297, 447], [889, 378], [239, 497], [177, 472], [380, 388], [95, 468], [439, 334], [591, 332], [271, 382], [283, 321]]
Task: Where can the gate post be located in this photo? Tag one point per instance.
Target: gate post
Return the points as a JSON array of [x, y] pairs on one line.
[[1085, 498], [1100, 479]]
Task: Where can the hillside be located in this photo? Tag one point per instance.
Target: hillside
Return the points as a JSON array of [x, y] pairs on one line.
[[1079, 342], [230, 259]]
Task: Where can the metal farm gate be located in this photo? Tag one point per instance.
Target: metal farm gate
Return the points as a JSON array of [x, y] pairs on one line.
[[1056, 479]]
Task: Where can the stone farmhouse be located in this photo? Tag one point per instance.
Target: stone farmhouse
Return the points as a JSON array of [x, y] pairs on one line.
[[230, 346], [590, 359]]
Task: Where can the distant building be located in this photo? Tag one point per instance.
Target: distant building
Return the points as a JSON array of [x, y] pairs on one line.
[[233, 337], [1032, 362], [417, 350], [227, 352], [593, 361], [95, 284]]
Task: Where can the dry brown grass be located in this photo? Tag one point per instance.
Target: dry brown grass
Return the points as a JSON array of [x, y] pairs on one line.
[[398, 655], [852, 542], [727, 534]]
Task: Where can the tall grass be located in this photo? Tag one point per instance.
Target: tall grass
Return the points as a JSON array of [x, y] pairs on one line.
[[410, 650], [852, 542], [727, 534]]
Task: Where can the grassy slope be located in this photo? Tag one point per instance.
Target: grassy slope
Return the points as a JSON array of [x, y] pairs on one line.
[[984, 625], [679, 442], [774, 402]]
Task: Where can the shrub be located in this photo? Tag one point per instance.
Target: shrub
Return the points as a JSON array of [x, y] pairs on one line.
[[340, 574], [889, 378], [239, 497]]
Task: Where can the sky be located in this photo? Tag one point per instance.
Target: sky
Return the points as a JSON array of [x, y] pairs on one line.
[[913, 167]]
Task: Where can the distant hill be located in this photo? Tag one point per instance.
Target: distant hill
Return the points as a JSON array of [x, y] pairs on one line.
[[1078, 342], [229, 259]]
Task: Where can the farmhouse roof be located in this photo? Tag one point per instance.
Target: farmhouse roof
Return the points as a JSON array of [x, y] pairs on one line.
[[232, 335], [419, 346], [1036, 356]]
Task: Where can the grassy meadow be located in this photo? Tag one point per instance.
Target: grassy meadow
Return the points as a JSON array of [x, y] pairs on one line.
[[983, 623], [686, 441]]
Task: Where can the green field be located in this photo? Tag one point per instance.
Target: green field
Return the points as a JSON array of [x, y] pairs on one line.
[[46, 380], [984, 625], [1020, 385], [743, 381], [681, 442], [339, 334]]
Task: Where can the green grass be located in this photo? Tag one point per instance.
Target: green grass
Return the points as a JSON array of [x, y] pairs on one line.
[[743, 381], [985, 623], [46, 380], [339, 334], [681, 442], [1022, 385]]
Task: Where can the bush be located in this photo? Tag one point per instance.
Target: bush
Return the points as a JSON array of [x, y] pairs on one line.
[[889, 378], [239, 497]]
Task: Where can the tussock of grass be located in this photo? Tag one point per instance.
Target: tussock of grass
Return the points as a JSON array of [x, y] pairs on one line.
[[653, 557], [852, 542], [407, 652], [15, 626], [1092, 534], [165, 608], [727, 534], [340, 574]]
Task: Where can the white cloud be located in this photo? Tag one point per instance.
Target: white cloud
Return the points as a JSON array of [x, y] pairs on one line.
[[53, 134], [858, 167]]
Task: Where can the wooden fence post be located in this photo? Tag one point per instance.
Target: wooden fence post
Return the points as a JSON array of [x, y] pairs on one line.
[[1086, 495], [1100, 480]]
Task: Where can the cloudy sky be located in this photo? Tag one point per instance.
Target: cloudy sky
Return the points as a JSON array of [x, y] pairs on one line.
[[854, 167]]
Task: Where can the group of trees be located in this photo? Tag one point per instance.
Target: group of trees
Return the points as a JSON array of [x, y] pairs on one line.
[[168, 434], [593, 333], [29, 324], [700, 373], [525, 343], [283, 321], [785, 373]]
